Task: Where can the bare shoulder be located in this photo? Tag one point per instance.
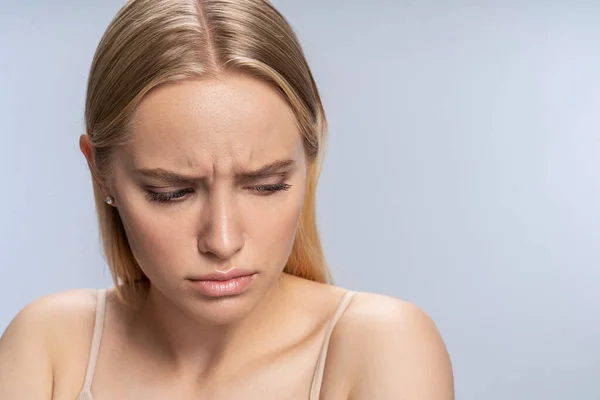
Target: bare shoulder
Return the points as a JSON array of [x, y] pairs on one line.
[[51, 315], [396, 351], [53, 319], [40, 337], [375, 313]]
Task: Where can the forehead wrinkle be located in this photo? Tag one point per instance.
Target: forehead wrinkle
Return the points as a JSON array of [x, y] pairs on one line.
[[221, 156], [213, 126]]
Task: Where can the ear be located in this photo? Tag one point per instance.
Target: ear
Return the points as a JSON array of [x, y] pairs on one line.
[[86, 146]]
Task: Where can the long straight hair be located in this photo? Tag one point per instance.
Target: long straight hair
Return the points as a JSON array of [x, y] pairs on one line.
[[154, 42]]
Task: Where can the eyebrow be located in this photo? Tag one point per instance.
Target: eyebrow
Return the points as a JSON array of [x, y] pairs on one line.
[[274, 168]]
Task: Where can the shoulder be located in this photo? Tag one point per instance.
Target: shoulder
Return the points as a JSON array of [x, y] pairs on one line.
[[41, 336], [397, 350], [380, 314], [54, 318], [52, 314]]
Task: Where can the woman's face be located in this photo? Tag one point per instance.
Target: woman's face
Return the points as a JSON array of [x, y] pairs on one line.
[[212, 180]]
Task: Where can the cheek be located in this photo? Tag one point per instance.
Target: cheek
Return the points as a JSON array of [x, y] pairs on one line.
[[273, 229], [155, 237]]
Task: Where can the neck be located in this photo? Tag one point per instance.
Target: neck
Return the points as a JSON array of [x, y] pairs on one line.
[[197, 347]]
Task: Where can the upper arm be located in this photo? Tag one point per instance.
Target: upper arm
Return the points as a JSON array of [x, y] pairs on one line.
[[400, 353], [25, 363]]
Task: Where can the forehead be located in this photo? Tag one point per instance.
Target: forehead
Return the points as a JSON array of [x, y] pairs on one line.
[[217, 124]]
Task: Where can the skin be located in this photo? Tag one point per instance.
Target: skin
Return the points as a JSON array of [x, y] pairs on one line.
[[181, 344]]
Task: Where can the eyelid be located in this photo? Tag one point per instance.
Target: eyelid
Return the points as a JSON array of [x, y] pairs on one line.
[[169, 196], [258, 178], [272, 179], [180, 195], [242, 180]]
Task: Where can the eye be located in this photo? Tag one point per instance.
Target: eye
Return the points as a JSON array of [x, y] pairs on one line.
[[166, 197], [269, 189]]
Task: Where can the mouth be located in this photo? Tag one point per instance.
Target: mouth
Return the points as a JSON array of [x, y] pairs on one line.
[[223, 276], [232, 283]]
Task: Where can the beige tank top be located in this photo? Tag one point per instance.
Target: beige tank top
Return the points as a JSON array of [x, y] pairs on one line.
[[315, 388]]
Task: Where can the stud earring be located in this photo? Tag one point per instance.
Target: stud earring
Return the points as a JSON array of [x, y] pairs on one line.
[[109, 200]]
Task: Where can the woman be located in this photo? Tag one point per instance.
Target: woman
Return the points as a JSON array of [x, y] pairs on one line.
[[205, 136]]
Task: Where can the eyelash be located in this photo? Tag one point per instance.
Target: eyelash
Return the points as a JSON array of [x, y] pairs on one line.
[[167, 197]]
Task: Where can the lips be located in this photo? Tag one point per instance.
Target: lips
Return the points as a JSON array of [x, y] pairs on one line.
[[216, 284], [223, 276]]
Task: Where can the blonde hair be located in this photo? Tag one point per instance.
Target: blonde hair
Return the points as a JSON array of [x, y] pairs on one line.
[[153, 42]]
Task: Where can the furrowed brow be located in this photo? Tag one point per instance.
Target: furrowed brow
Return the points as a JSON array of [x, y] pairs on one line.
[[164, 175]]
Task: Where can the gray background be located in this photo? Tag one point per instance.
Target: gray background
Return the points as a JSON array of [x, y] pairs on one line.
[[462, 172]]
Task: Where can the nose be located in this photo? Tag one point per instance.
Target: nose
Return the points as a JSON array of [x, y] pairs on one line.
[[221, 234]]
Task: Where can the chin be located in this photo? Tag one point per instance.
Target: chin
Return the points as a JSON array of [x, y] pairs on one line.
[[220, 310]]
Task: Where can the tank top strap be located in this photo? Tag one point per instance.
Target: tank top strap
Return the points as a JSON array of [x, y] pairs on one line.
[[95, 347], [315, 388]]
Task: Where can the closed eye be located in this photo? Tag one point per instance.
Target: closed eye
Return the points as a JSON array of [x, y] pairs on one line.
[[167, 197], [266, 189]]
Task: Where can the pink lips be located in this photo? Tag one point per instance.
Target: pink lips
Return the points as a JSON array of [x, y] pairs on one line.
[[232, 283]]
